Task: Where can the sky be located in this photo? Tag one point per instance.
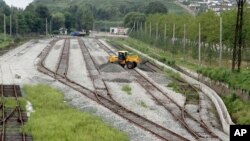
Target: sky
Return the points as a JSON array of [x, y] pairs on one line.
[[18, 3]]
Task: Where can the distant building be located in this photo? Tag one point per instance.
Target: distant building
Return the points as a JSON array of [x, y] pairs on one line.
[[118, 30], [217, 6], [63, 31]]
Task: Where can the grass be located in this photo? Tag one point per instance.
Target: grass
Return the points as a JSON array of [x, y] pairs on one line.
[[54, 120], [10, 102], [127, 89], [239, 109], [3, 43], [179, 85], [143, 104], [173, 75], [239, 80]]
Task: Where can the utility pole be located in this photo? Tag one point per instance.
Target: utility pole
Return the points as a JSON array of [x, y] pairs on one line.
[[184, 40], [150, 30], [106, 27], [156, 31], [220, 41], [199, 44], [173, 39], [4, 18], [50, 26], [10, 27], [141, 26], [238, 41], [46, 27], [165, 31], [137, 26], [16, 25]]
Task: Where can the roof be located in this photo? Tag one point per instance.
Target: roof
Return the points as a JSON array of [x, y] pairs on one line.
[[123, 51]]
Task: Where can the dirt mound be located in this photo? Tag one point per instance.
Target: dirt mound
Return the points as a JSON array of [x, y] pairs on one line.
[[109, 67]]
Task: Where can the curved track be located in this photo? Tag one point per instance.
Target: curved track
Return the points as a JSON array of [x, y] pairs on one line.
[[155, 129], [169, 104]]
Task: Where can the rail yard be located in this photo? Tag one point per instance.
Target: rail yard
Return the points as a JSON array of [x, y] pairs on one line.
[[79, 67]]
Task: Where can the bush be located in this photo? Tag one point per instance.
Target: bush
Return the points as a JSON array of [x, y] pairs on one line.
[[238, 109], [239, 80]]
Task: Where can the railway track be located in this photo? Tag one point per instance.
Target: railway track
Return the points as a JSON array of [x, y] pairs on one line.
[[109, 102], [178, 112], [155, 129], [62, 67], [98, 98], [12, 117]]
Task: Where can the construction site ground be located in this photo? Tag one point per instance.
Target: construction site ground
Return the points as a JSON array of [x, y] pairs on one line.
[[19, 66]]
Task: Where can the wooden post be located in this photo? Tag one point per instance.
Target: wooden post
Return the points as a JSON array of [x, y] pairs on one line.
[[173, 39], [10, 26], [46, 27], [184, 40], [150, 29], [156, 31], [220, 42], [199, 44], [4, 18], [165, 31]]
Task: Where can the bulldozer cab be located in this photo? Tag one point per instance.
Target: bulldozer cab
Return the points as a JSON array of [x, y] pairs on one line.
[[122, 55]]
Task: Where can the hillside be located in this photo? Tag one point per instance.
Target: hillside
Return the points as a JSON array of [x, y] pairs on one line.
[[105, 4]]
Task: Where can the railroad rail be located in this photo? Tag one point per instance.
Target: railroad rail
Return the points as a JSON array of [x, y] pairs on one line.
[[177, 111], [132, 117], [62, 66], [154, 128], [12, 118], [140, 121]]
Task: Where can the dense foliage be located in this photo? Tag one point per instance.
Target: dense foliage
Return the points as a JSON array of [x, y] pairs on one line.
[[167, 32], [238, 109], [77, 14], [234, 80], [155, 7]]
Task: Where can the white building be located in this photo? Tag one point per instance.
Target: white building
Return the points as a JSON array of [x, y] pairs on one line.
[[118, 30]]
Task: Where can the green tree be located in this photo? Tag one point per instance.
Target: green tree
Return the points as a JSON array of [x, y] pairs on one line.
[[85, 19], [155, 7], [58, 21], [134, 17], [43, 12]]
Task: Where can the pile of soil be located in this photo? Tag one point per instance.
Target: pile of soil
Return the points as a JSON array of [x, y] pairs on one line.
[[109, 67]]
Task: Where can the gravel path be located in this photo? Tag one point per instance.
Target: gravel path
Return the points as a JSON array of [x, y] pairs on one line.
[[77, 66], [30, 75], [52, 59], [142, 104], [98, 54], [23, 63], [16, 64]]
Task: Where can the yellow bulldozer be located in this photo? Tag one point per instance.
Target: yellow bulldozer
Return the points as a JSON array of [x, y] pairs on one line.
[[131, 61]]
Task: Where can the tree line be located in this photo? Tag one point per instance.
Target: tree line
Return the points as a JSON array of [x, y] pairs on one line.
[[74, 17], [171, 30]]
